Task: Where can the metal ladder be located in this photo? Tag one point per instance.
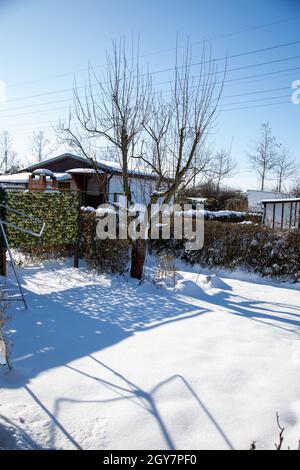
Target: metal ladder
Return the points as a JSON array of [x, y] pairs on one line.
[[16, 293]]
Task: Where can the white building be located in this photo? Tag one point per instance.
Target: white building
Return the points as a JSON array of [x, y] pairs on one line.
[[281, 213], [255, 197]]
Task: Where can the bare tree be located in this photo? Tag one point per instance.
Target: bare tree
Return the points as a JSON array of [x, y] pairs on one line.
[[166, 135], [8, 156], [263, 155], [295, 189], [40, 146], [113, 110], [178, 130], [223, 166], [284, 167]]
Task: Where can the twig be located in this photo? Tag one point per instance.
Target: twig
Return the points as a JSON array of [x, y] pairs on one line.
[[281, 438]]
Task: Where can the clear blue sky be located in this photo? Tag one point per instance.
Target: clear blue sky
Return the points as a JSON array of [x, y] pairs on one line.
[[43, 42]]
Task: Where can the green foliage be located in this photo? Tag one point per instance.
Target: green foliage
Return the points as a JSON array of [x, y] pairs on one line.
[[60, 212], [213, 204]]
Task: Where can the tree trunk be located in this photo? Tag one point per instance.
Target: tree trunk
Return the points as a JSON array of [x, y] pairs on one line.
[[138, 257]]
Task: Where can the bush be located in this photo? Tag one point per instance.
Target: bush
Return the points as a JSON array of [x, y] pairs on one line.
[[258, 249], [103, 255]]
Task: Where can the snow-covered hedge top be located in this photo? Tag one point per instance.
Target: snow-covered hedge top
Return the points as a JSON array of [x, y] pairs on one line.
[[213, 215]]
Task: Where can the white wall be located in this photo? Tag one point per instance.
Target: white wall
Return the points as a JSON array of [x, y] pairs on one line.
[[141, 188], [291, 217], [254, 197]]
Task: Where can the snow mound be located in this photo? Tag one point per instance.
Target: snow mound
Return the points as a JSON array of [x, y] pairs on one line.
[[189, 288], [216, 282], [13, 438]]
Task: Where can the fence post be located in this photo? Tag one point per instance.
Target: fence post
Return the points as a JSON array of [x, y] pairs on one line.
[[77, 241], [2, 243], [2, 260]]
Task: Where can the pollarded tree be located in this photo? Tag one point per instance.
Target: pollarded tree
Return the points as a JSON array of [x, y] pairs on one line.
[[177, 131], [166, 133]]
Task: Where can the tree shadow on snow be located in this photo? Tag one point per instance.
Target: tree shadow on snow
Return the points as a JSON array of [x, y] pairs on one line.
[[77, 322], [64, 326], [125, 389]]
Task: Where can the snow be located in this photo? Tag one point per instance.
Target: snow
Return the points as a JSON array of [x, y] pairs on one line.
[[88, 209], [23, 178], [211, 214], [20, 178], [133, 167], [87, 171], [101, 362], [43, 171], [201, 200], [286, 200]]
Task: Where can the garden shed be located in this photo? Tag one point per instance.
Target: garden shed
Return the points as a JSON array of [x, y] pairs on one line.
[[281, 213]]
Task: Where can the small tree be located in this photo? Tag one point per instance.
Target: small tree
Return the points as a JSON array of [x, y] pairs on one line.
[[263, 155], [8, 156], [39, 146], [223, 167], [284, 167]]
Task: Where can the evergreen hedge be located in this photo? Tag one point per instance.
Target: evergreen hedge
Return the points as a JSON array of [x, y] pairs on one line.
[[60, 212]]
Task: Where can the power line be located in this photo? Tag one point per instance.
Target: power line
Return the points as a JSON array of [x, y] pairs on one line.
[[258, 99], [266, 74], [66, 109], [257, 106], [235, 69], [256, 92], [64, 90], [233, 56], [68, 100], [62, 75], [221, 109]]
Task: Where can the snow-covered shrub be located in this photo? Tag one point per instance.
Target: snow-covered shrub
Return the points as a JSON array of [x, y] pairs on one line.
[[256, 248], [166, 269], [103, 255]]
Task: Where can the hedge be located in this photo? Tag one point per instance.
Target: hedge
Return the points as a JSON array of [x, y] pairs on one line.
[[102, 255], [60, 212], [258, 249]]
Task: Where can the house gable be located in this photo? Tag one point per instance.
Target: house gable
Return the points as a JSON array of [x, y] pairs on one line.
[[62, 163]]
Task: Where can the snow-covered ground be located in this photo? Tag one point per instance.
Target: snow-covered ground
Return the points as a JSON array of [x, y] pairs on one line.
[[103, 363]]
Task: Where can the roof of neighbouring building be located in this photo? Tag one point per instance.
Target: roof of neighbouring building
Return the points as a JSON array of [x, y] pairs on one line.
[[103, 165], [283, 200], [23, 178]]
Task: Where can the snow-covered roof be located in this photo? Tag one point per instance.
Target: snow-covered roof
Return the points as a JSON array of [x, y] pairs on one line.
[[264, 191], [18, 178], [43, 171], [86, 171], [23, 178], [197, 199], [105, 165], [285, 200], [133, 168]]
